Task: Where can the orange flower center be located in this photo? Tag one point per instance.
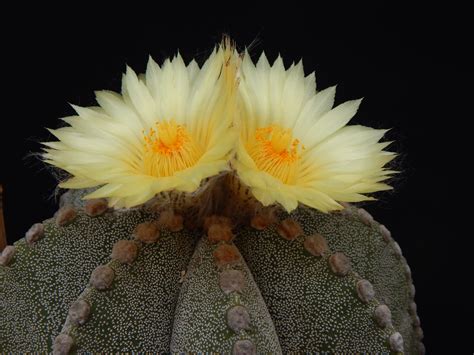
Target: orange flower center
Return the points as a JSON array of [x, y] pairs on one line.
[[169, 148], [276, 152]]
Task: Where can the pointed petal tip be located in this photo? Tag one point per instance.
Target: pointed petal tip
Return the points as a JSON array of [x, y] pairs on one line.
[[311, 75], [96, 92], [76, 108], [129, 73], [263, 58], [278, 61], [73, 106], [150, 59]]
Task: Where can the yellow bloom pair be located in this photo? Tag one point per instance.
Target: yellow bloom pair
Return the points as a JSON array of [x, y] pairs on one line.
[[180, 124]]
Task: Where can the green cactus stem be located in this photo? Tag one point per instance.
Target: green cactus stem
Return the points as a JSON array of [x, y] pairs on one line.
[[93, 280]]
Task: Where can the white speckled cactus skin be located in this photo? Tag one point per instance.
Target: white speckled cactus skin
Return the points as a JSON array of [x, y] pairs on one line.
[[322, 308], [44, 279], [259, 293]]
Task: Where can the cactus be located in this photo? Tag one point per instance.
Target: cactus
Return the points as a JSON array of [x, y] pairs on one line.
[[93, 279], [214, 223]]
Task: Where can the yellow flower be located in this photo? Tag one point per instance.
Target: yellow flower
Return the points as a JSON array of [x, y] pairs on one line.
[[295, 148], [169, 130]]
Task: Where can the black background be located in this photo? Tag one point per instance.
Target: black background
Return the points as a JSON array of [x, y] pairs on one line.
[[412, 66]]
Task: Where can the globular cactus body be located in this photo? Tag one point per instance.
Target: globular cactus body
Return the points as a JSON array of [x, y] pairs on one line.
[[309, 282], [316, 301]]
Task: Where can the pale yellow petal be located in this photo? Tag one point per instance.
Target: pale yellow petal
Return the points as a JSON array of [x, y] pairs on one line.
[[330, 123], [313, 109], [141, 99], [78, 183]]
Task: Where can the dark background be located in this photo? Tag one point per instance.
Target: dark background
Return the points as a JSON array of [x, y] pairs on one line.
[[413, 66]]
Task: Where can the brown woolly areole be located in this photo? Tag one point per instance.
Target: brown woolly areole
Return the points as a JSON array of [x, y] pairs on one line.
[[259, 222], [396, 342], [244, 347], [35, 232], [65, 215], [102, 277], [219, 233], [172, 221], [79, 312], [231, 281], [290, 229], [62, 344], [147, 232], [226, 254], [386, 234], [365, 291], [340, 264], [7, 255], [264, 218], [316, 245], [365, 216], [96, 207], [125, 251], [383, 316], [238, 318]]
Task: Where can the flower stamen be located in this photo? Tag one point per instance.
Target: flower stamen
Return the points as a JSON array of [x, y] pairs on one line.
[[169, 148], [276, 152]]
